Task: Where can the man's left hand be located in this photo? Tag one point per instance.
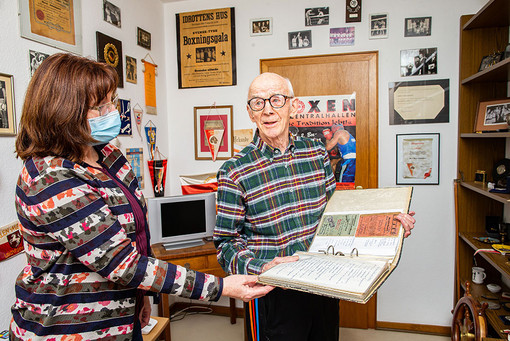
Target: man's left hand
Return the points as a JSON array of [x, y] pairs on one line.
[[407, 221]]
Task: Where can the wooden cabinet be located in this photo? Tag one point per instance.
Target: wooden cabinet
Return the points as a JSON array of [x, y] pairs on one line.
[[480, 35], [200, 258]]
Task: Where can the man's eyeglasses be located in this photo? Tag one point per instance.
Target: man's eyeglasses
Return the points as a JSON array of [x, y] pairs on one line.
[[277, 101], [107, 107]]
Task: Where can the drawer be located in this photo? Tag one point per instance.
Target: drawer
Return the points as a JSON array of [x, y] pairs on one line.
[[194, 263]]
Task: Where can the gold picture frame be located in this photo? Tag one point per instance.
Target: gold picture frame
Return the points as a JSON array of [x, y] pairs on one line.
[[7, 108]]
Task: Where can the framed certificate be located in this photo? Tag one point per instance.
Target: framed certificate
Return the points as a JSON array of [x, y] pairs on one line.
[[55, 23]]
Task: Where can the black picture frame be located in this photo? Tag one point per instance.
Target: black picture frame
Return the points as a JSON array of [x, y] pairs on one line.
[[109, 51], [418, 27], [143, 38], [488, 61]]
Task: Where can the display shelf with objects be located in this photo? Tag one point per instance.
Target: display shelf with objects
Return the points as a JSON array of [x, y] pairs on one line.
[[481, 35]]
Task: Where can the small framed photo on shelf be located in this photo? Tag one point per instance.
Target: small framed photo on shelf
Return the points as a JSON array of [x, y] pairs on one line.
[[418, 27], [418, 159], [143, 38], [7, 114], [490, 60], [214, 133], [492, 115], [261, 26]]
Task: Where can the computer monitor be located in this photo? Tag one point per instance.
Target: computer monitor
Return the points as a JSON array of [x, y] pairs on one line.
[[183, 220]]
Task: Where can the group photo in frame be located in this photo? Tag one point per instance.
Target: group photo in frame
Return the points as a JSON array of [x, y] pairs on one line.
[[300, 39], [143, 38], [214, 125], [261, 26], [417, 27], [7, 108], [492, 115], [65, 33], [378, 26], [417, 159]]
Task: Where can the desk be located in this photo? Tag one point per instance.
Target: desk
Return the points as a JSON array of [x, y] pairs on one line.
[[163, 322], [200, 258]]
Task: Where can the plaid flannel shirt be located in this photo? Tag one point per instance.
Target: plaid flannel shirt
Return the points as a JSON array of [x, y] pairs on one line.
[[269, 203]]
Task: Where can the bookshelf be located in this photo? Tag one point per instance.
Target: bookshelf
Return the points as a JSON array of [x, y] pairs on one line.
[[480, 35]]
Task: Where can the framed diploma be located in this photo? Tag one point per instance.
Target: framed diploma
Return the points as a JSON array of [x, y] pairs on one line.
[[418, 159], [418, 102], [214, 133], [55, 23], [206, 53]]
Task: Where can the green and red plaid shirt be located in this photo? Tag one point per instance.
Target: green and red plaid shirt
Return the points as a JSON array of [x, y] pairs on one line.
[[269, 204]]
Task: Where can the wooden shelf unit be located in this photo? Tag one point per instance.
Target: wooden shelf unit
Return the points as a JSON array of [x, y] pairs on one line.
[[480, 35]]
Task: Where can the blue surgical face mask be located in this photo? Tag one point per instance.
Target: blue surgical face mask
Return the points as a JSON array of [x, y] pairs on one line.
[[105, 128]]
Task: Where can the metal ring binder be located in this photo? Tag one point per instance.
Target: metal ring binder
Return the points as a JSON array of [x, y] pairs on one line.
[[354, 252]]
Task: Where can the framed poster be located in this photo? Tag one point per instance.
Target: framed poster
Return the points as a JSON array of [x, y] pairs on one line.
[[218, 119], [206, 50], [418, 102], [261, 26], [55, 23], [492, 115], [7, 114], [109, 51], [143, 38], [418, 159]]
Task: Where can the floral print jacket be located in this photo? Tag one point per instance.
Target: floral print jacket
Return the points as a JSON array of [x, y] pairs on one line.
[[83, 268]]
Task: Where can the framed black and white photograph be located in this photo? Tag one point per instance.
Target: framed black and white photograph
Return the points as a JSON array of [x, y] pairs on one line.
[[111, 14], [378, 26], [300, 39], [317, 16], [7, 114], [131, 74], [143, 38], [418, 27], [36, 58], [492, 115], [55, 23], [417, 159], [261, 26], [488, 61], [416, 62]]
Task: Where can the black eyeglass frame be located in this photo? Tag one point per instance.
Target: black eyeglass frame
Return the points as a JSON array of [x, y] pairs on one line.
[[269, 100]]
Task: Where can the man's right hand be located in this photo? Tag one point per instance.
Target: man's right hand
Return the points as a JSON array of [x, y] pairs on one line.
[[279, 260]]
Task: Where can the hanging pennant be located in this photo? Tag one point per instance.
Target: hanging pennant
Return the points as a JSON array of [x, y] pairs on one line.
[[149, 72], [125, 117], [214, 137], [150, 135], [157, 170], [138, 111]]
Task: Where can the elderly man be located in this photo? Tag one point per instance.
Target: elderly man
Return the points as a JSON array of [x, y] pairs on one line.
[[271, 196]]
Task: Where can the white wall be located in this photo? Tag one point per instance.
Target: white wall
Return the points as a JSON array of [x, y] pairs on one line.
[[14, 60], [421, 289]]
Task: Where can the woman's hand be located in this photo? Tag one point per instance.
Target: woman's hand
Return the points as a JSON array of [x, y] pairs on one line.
[[244, 287], [145, 313]]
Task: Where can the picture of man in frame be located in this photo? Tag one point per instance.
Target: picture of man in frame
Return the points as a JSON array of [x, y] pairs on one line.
[[131, 74], [496, 114], [4, 117], [111, 14], [36, 58]]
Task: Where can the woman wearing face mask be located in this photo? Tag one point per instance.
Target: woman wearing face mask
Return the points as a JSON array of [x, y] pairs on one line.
[[83, 217]]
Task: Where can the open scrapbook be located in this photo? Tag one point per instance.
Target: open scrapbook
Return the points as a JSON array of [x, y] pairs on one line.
[[357, 245]]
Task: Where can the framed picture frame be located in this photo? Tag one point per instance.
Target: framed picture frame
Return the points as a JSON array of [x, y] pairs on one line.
[[111, 14], [488, 61], [62, 29], [316, 16], [418, 102], [342, 36], [143, 38], [492, 115], [7, 108], [109, 51], [417, 62], [378, 26], [417, 27], [131, 70], [261, 26], [214, 118], [300, 39], [417, 159]]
